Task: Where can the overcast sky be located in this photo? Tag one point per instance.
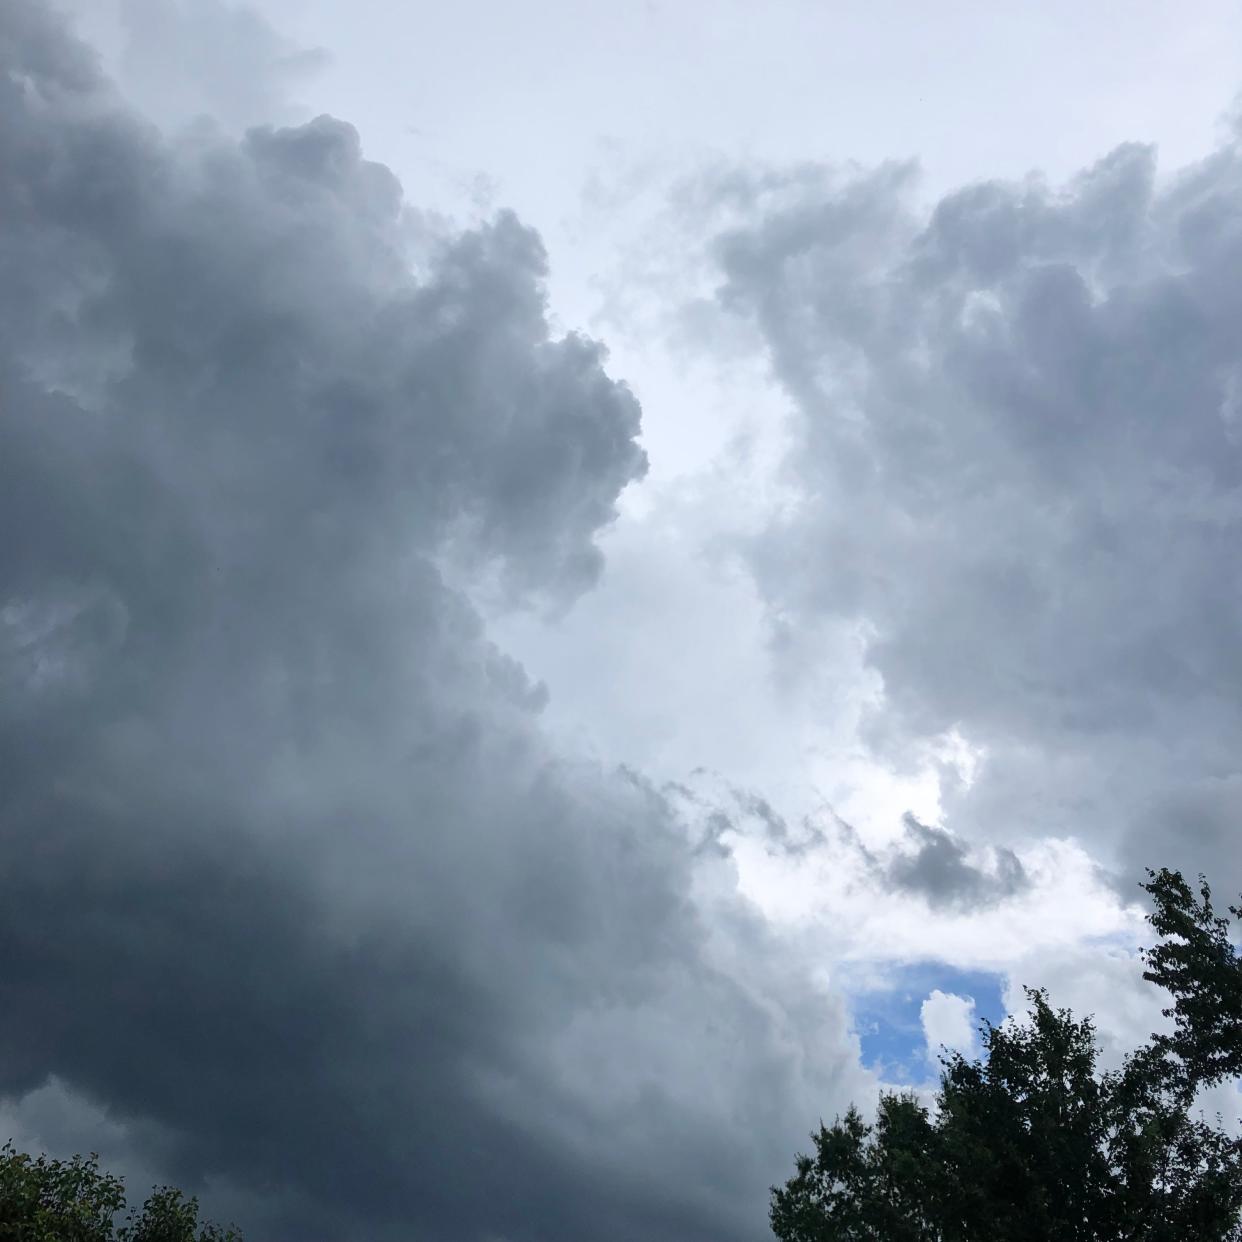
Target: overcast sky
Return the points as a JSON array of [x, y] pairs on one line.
[[585, 586]]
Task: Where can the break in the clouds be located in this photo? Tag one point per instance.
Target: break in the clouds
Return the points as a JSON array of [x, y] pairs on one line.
[[294, 890], [1017, 478]]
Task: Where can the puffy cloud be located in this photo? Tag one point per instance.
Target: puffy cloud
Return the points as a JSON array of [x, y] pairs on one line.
[[948, 1023], [295, 891], [1018, 466]]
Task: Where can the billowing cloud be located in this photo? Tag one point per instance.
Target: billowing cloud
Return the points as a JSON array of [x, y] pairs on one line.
[[1017, 471], [293, 889]]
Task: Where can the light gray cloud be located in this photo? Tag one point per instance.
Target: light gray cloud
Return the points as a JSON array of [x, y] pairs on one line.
[[1018, 465], [186, 61], [293, 887]]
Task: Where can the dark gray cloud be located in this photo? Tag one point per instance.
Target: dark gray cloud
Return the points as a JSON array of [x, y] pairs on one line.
[[1019, 462], [937, 867], [292, 886]]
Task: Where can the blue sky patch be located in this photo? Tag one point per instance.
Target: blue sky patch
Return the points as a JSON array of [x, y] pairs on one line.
[[888, 1023]]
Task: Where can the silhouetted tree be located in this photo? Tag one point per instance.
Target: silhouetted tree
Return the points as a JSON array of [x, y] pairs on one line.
[[1031, 1143], [1196, 961]]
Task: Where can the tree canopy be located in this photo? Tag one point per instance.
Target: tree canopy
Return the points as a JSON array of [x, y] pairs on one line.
[[45, 1200], [1032, 1142]]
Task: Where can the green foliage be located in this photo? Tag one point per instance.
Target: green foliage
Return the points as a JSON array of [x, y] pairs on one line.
[[43, 1200], [1198, 964], [1031, 1143]]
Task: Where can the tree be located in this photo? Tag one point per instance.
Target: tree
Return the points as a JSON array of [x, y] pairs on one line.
[[1031, 1143], [44, 1200], [1196, 961]]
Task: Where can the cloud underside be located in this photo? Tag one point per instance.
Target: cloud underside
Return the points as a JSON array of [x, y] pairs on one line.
[[1017, 472], [293, 886]]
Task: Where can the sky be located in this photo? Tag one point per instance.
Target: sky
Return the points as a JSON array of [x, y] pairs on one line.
[[592, 584]]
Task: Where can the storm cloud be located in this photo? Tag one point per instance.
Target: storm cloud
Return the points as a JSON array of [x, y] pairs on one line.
[[292, 886], [1016, 476]]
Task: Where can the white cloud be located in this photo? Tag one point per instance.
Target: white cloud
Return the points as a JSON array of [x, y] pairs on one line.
[[948, 1022]]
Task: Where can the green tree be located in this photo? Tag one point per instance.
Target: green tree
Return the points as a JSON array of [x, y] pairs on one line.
[[45, 1200], [1196, 961], [1032, 1143]]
